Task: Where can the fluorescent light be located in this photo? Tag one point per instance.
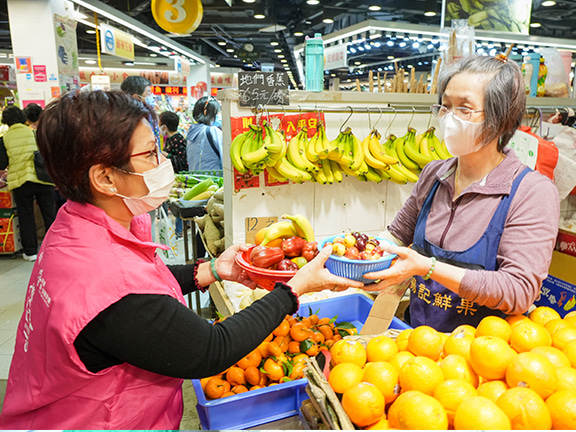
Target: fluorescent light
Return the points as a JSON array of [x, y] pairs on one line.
[[222, 43], [535, 25], [230, 50], [548, 3], [312, 2], [430, 13], [283, 61], [327, 20], [281, 55], [277, 50], [274, 43], [248, 1], [298, 33], [374, 8], [153, 55], [128, 64], [90, 31], [390, 57], [90, 61]]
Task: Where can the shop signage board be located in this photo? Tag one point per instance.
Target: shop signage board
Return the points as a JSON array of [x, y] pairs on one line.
[[255, 224], [169, 90], [116, 42], [336, 57], [177, 16], [263, 88]]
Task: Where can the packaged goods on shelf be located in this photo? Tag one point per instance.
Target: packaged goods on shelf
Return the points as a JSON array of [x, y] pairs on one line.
[[558, 290]]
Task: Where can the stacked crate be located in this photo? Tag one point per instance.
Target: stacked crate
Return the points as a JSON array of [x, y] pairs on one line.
[[9, 227]]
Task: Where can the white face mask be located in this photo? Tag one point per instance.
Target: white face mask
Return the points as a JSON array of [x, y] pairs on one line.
[[159, 181], [460, 135]]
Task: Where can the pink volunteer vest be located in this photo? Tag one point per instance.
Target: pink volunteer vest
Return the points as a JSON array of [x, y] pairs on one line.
[[86, 263]]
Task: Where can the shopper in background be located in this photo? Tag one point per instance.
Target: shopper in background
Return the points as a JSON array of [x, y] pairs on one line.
[[20, 144], [174, 149], [106, 338], [32, 112], [204, 140], [481, 226]]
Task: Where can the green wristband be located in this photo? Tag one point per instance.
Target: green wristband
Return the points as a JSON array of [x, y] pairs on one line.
[[432, 267], [213, 268]]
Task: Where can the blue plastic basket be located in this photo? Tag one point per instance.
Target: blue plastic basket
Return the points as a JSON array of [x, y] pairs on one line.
[[355, 269]]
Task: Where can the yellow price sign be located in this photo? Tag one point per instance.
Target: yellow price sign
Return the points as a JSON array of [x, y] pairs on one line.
[[255, 224], [177, 16]]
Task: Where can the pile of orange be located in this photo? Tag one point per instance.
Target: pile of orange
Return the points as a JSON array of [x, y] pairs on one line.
[[280, 358], [513, 373]]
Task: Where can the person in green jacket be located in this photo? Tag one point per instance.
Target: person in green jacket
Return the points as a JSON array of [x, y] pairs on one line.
[[19, 143]]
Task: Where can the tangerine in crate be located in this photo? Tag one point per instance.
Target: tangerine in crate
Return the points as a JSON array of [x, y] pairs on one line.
[[264, 278]]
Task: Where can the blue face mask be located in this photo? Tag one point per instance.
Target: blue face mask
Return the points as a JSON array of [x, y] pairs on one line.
[[150, 100]]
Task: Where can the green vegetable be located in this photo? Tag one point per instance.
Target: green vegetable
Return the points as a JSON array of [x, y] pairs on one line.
[[198, 189]]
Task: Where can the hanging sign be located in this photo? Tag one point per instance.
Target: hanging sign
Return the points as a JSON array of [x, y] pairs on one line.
[[336, 57], [40, 73], [177, 16], [23, 65], [263, 88], [100, 82], [4, 73], [116, 42], [169, 90]]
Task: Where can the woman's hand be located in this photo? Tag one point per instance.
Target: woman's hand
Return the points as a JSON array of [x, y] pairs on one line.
[[315, 277], [410, 263], [228, 269]]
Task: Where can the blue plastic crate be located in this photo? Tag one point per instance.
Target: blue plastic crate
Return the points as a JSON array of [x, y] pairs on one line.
[[256, 407]]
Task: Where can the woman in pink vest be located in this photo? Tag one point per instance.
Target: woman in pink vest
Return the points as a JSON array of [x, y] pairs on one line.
[[106, 338]]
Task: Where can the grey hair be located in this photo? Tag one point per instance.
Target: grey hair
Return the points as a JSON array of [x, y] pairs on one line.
[[504, 95]]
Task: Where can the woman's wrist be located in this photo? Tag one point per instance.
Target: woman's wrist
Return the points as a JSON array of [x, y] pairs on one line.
[[429, 268]]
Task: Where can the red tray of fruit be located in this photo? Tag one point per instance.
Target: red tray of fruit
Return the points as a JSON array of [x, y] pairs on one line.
[[263, 277]]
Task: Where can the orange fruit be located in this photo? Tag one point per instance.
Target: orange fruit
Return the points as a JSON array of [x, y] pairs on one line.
[[451, 393], [263, 349], [235, 376], [492, 389], [490, 356], [514, 320], [381, 424], [294, 347], [494, 326], [398, 360], [562, 406], [458, 343], [203, 382], [570, 320], [566, 378], [325, 321], [464, 329], [525, 409], [402, 339], [425, 341], [344, 375], [283, 329], [478, 412], [252, 375], [420, 373], [527, 335], [416, 410], [318, 337], [327, 331], [570, 351], [273, 369], [554, 355], [314, 319], [570, 315], [543, 314], [297, 371], [300, 332], [239, 389], [385, 377], [274, 350], [282, 342], [380, 348], [300, 358], [216, 387], [556, 324], [363, 403], [562, 336], [455, 366], [347, 350], [534, 371], [252, 359]]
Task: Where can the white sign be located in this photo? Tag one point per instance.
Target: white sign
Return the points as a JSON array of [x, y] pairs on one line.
[[526, 148], [100, 82], [116, 42], [336, 57]]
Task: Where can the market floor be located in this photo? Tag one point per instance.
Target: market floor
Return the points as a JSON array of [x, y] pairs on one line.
[[14, 276]]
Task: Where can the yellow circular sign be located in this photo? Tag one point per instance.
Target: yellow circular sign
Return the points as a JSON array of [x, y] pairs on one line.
[[177, 16]]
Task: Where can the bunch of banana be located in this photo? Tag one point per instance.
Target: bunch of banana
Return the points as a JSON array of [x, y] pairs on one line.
[[296, 225], [430, 142], [399, 173], [421, 150], [237, 147]]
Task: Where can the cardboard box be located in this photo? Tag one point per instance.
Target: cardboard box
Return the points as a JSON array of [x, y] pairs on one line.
[[9, 234], [566, 242], [558, 290]]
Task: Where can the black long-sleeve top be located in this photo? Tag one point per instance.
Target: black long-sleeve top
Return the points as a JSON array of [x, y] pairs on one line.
[[159, 334]]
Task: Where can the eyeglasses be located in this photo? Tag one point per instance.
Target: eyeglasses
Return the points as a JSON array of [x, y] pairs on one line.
[[460, 112], [154, 153]]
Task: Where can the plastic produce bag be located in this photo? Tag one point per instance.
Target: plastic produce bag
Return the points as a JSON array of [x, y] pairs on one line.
[[556, 79], [457, 42], [167, 236]]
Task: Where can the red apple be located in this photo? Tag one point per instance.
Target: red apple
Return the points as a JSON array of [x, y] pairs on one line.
[[352, 253]]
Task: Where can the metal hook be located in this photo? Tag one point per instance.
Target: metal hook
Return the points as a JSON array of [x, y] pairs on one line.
[[379, 118], [429, 120], [346, 121], [391, 121], [369, 119], [412, 118]]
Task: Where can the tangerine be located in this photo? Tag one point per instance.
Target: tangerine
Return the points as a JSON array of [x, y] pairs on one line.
[[455, 366], [380, 348], [514, 320], [239, 389], [416, 410], [490, 356], [566, 378], [402, 339], [525, 409], [325, 321], [494, 326], [562, 336], [451, 393], [363, 403], [283, 329], [299, 332], [398, 360], [294, 347], [297, 371], [344, 375], [425, 341], [384, 376], [274, 350], [252, 359], [216, 387], [318, 337], [300, 358], [464, 328], [534, 371], [381, 424], [570, 351], [252, 375], [235, 376], [458, 343], [492, 389], [543, 314], [562, 407], [282, 342], [420, 373], [480, 413], [554, 355], [327, 331], [527, 335], [346, 350], [273, 369], [556, 324]]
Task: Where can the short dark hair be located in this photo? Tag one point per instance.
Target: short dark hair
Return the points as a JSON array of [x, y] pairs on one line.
[[33, 112], [170, 119], [504, 95], [12, 115], [135, 85], [205, 110], [82, 129]]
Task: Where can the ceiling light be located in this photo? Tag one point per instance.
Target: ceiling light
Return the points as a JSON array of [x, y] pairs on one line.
[[429, 13], [390, 43], [283, 61], [274, 43], [535, 25], [377, 44], [402, 44], [281, 56], [222, 43], [390, 57], [153, 55], [327, 20], [357, 63], [298, 33], [259, 16], [90, 31], [128, 64], [313, 2], [277, 50], [248, 1], [374, 8], [416, 45], [548, 3], [90, 61], [230, 50]]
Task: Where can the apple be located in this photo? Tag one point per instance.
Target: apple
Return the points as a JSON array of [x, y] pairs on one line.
[[352, 253]]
